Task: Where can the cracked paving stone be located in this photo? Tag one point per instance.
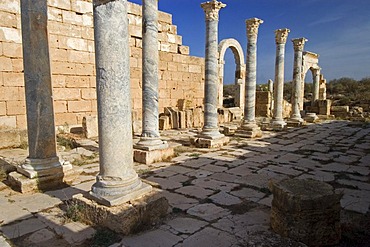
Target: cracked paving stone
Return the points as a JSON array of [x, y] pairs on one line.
[[195, 191], [210, 237], [199, 173], [248, 194], [186, 225], [214, 184], [223, 198], [156, 238], [214, 168], [197, 162], [179, 169], [22, 228], [335, 167], [179, 201], [208, 211], [164, 183], [240, 170]]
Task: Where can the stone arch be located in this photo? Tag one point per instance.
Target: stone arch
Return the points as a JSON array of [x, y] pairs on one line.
[[310, 62], [237, 50]]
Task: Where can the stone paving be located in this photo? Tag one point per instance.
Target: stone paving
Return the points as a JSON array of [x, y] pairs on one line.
[[218, 197]]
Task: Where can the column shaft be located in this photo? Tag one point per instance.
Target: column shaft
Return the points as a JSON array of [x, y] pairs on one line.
[[211, 76], [279, 82], [297, 78], [150, 69], [116, 178], [316, 86], [250, 85], [38, 87]]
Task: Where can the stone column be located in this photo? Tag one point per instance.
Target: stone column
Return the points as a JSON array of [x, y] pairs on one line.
[[316, 86], [249, 128], [281, 36], [42, 163], [210, 129], [297, 79], [270, 85], [117, 182], [150, 138]]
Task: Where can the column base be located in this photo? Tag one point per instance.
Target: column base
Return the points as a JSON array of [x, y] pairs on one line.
[[61, 178], [278, 125], [150, 144], [153, 156], [249, 130], [201, 141], [230, 130], [311, 117], [295, 122], [125, 218], [117, 199]]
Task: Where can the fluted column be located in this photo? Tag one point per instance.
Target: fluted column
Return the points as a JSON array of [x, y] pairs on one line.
[[297, 78], [210, 129], [42, 159], [281, 36], [150, 138], [117, 182], [316, 86], [249, 128]]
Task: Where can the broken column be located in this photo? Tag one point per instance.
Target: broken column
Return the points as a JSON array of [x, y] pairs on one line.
[[150, 147], [117, 182], [42, 170], [316, 86], [210, 135], [298, 44], [249, 128], [281, 36]]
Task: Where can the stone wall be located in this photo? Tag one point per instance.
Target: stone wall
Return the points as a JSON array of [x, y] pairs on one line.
[[71, 42]]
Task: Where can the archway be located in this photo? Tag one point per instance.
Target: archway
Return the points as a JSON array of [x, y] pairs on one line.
[[237, 50], [311, 62]]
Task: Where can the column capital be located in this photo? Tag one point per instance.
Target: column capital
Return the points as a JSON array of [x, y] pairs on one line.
[[252, 28], [211, 9], [299, 43], [281, 35], [316, 71]]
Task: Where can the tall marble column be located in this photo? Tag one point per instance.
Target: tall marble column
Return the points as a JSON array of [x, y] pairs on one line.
[[210, 129], [316, 86], [281, 36], [150, 138], [270, 85], [297, 79], [249, 128], [117, 182], [42, 159]]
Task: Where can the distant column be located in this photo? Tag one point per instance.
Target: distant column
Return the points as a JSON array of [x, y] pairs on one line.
[[297, 78], [281, 36], [249, 127], [270, 85], [316, 86], [210, 128], [42, 159], [150, 138], [117, 182]]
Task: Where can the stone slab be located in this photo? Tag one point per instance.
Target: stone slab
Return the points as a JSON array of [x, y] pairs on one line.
[[209, 143], [22, 228], [152, 238], [24, 184], [128, 217], [186, 225], [153, 156]]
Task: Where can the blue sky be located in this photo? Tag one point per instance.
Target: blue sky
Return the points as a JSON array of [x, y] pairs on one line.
[[338, 30]]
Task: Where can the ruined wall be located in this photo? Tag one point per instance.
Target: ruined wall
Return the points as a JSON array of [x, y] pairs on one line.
[[71, 42]]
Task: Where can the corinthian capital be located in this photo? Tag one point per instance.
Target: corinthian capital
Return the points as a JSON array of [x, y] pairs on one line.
[[299, 43], [252, 28], [281, 35], [211, 9]]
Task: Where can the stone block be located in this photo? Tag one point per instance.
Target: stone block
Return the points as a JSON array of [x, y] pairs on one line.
[[5, 64], [90, 126], [209, 143], [307, 211], [10, 35], [128, 217], [24, 184], [185, 50], [153, 156], [182, 119], [339, 108], [164, 122], [198, 117], [189, 119], [79, 106], [8, 122], [263, 97], [12, 138]]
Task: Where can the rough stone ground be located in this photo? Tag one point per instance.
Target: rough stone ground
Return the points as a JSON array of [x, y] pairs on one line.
[[218, 197]]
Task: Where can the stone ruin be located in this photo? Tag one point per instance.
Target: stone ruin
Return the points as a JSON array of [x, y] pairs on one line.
[[135, 80]]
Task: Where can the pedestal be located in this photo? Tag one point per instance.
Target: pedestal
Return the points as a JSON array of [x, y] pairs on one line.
[[279, 125], [201, 141], [250, 130]]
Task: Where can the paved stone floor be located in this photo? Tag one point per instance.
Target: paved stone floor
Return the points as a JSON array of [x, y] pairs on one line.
[[218, 197]]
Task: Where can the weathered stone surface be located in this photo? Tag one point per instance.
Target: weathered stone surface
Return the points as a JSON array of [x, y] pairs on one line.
[[208, 211], [128, 217], [307, 211], [153, 156], [186, 225], [22, 228], [152, 238]]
